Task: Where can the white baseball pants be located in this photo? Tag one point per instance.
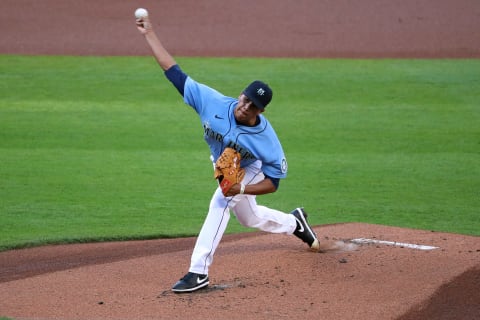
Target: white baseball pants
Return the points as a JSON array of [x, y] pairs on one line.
[[248, 214]]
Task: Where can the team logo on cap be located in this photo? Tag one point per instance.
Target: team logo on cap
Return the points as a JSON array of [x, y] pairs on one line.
[[260, 91]]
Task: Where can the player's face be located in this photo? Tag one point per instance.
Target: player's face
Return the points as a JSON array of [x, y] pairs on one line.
[[246, 112]]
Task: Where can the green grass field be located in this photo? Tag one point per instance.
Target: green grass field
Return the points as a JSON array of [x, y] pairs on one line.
[[103, 148]]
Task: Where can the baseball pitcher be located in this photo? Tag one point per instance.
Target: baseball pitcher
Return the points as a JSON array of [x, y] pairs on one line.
[[247, 157]]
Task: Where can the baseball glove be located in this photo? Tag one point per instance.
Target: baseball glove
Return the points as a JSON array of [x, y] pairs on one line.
[[227, 169]]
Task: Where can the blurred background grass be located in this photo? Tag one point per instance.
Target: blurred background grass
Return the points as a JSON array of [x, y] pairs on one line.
[[103, 148]]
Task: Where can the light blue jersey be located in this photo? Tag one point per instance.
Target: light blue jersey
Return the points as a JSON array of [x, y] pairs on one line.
[[221, 130]]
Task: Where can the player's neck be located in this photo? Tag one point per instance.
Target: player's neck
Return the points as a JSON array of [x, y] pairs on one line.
[[252, 123]]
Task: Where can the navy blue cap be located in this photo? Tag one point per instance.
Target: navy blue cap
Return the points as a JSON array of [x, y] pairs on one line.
[[259, 93]]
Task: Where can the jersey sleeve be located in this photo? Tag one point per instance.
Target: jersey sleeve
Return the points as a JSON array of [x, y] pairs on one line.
[[274, 162], [202, 98], [275, 166], [265, 146]]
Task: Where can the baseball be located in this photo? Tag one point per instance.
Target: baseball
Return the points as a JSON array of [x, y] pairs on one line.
[[141, 13]]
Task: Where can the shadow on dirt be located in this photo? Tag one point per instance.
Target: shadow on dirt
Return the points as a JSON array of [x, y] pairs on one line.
[[457, 299]]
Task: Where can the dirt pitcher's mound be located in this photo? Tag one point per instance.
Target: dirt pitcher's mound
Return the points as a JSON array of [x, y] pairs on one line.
[[255, 276]]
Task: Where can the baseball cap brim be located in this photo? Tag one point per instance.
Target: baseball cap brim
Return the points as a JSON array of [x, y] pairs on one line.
[[259, 93], [255, 101]]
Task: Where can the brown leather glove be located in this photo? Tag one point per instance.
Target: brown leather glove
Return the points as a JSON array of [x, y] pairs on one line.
[[227, 169]]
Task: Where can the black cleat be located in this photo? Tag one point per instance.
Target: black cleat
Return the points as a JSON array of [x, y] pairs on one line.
[[191, 282], [303, 231]]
